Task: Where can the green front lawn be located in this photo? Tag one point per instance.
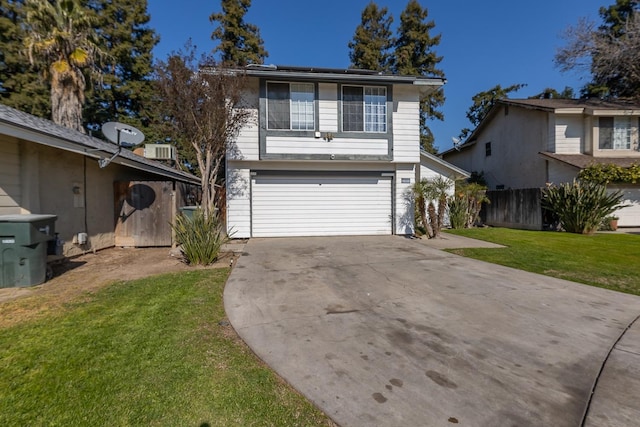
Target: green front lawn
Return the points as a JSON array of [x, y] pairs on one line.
[[155, 351], [606, 260]]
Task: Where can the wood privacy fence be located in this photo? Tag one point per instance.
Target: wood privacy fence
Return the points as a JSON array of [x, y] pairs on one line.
[[514, 209]]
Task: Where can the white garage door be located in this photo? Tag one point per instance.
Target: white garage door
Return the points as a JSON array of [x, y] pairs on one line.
[[320, 205], [630, 216]]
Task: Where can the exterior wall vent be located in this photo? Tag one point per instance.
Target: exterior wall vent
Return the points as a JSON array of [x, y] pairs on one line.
[[159, 151]]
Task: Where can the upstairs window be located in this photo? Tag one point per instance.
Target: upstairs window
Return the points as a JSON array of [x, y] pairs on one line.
[[487, 149], [290, 106], [364, 109], [614, 133]]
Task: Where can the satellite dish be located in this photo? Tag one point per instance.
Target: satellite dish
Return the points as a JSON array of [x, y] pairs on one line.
[[122, 135], [456, 143]]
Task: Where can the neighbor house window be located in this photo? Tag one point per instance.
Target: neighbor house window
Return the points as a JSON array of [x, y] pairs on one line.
[[364, 109], [290, 106], [614, 133], [487, 149]]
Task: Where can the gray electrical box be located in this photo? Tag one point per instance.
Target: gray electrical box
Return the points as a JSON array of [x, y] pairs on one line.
[[23, 249]]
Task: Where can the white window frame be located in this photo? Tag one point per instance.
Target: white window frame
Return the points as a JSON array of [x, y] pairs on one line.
[[621, 133], [373, 112], [301, 107]]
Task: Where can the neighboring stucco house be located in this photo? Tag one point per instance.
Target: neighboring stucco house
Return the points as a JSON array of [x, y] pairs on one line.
[[527, 143], [328, 152], [50, 169]]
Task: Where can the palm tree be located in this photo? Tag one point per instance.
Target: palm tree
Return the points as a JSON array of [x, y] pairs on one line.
[[428, 193], [60, 44]]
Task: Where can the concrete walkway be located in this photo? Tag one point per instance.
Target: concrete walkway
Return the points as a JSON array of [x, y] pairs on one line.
[[388, 331]]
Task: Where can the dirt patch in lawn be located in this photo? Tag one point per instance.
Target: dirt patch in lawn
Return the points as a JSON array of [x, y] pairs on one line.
[[84, 274]]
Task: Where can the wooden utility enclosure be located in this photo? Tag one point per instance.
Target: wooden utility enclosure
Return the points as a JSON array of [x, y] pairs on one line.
[[144, 212]]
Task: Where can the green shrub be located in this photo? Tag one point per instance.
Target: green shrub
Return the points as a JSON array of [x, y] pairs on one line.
[[458, 211], [581, 206], [200, 237], [610, 173]]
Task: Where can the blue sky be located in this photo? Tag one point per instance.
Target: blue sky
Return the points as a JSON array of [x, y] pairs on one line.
[[484, 43]]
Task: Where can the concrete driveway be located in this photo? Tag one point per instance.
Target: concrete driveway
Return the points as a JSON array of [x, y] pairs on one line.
[[387, 331]]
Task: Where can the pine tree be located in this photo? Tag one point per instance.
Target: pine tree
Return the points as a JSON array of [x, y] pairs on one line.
[[125, 90], [414, 55], [616, 16], [239, 42], [371, 46], [20, 85]]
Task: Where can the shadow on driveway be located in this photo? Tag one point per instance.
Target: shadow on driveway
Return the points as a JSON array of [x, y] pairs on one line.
[[388, 331]]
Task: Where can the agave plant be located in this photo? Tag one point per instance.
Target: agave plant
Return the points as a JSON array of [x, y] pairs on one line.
[[200, 237], [581, 206]]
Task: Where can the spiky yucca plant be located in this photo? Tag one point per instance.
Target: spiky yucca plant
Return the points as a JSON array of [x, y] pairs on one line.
[[581, 205], [200, 237]]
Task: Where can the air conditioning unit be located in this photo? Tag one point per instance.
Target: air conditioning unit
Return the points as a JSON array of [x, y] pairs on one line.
[[160, 151]]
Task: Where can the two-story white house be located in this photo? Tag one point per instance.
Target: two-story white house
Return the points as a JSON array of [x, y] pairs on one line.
[[527, 143], [328, 152]]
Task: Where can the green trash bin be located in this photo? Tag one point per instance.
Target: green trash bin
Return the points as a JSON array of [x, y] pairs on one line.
[[188, 211], [23, 249]]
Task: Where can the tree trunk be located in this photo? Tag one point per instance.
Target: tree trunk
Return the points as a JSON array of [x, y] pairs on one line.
[[67, 98], [433, 219]]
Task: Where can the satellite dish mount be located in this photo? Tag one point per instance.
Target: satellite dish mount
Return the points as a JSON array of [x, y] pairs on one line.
[[123, 136]]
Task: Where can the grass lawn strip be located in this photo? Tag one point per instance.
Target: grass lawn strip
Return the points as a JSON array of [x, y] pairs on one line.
[[607, 260], [147, 352]]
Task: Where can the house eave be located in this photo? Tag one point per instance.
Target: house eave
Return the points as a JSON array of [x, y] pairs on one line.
[[88, 146], [456, 171], [337, 75]]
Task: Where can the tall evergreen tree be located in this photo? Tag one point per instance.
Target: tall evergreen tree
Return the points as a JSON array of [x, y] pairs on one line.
[[20, 85], [125, 89], [616, 16], [239, 42], [415, 55], [372, 42]]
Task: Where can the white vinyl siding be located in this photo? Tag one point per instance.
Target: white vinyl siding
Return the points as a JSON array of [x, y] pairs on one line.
[[328, 107], [247, 146], [406, 125], [9, 178], [404, 200], [238, 202], [320, 205], [569, 134], [338, 146]]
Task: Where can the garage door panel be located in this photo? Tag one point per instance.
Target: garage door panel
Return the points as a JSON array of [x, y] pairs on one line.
[[630, 215], [321, 205]]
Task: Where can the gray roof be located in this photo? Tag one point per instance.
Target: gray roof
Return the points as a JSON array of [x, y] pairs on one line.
[[287, 72], [74, 141], [559, 104], [582, 161], [573, 106], [453, 168]]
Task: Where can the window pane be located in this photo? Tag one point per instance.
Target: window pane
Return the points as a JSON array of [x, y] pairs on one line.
[[278, 106], [302, 107], [605, 133], [622, 133], [352, 109], [375, 99]]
